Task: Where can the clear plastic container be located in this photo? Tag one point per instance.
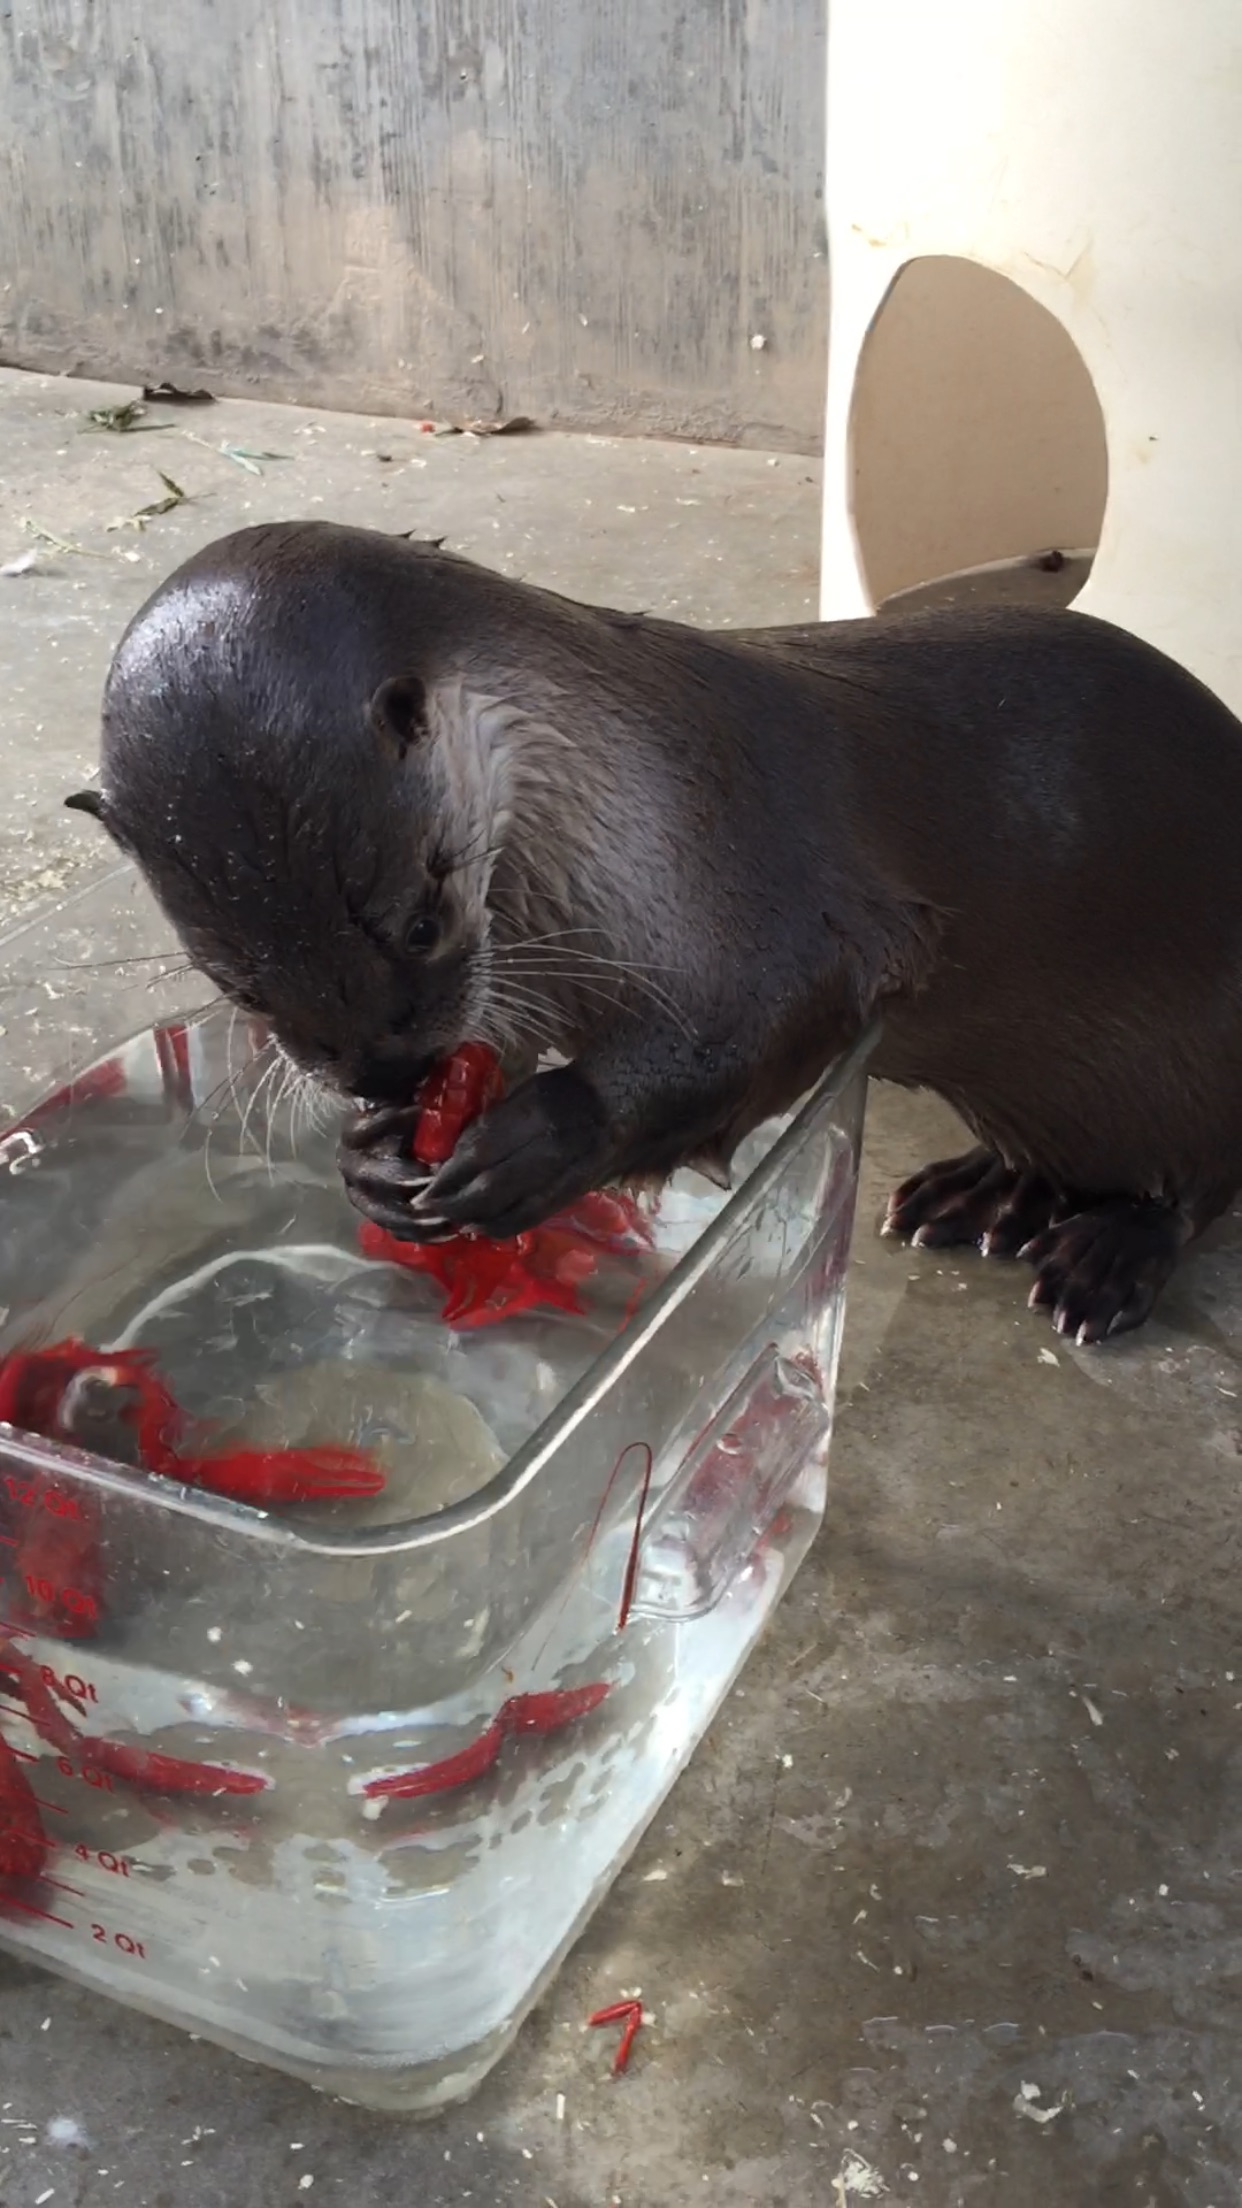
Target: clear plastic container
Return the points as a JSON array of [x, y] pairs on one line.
[[413, 1738]]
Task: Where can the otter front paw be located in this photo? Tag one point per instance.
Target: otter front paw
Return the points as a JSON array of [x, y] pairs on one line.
[[381, 1177], [539, 1149]]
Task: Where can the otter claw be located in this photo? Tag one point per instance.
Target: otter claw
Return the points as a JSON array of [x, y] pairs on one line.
[[388, 1191], [373, 1124]]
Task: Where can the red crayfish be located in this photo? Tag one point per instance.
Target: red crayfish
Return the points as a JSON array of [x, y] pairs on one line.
[[45, 1695], [58, 1393], [522, 1713], [41, 1389], [484, 1280], [24, 1845]]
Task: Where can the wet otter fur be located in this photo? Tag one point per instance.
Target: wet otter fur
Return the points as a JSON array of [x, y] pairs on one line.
[[392, 800]]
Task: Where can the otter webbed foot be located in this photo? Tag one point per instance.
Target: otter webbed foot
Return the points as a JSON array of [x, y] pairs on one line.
[[1100, 1262], [973, 1199], [1100, 1270]]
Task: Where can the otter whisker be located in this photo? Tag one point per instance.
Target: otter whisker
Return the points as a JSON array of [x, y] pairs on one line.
[[310, 1099], [584, 985], [521, 1018], [232, 1072], [203, 1105], [293, 1091], [558, 935], [582, 992], [442, 868], [323, 1103], [290, 1090], [519, 1021], [173, 973], [604, 985], [259, 1106], [290, 1074], [264, 1081], [297, 1108], [230, 1084], [103, 965], [201, 1012], [530, 1000], [628, 969]]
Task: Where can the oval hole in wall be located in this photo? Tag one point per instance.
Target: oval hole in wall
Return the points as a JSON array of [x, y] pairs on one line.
[[977, 443]]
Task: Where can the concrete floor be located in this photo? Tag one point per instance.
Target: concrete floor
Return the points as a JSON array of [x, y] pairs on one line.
[[948, 1908]]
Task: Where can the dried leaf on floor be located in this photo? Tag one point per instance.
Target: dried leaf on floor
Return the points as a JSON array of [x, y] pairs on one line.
[[514, 426], [122, 419], [249, 460], [1026, 2103], [242, 456], [174, 496], [857, 2180], [170, 394], [58, 544], [509, 426]]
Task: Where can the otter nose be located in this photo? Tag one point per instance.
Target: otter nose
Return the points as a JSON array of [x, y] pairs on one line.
[[391, 1075]]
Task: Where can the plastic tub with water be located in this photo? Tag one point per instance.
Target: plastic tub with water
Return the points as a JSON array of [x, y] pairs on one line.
[[430, 1726]]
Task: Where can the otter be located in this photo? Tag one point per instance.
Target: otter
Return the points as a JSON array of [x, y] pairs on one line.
[[390, 800]]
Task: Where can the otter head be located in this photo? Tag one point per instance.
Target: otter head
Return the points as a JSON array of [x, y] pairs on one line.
[[268, 762]]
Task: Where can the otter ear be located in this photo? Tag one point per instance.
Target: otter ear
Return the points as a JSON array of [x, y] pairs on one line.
[[88, 801], [399, 712], [96, 804]]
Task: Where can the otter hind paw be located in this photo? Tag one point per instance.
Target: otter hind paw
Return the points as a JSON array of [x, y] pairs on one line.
[[1100, 1271], [972, 1199]]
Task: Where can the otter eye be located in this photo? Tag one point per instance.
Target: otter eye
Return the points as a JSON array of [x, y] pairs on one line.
[[422, 935]]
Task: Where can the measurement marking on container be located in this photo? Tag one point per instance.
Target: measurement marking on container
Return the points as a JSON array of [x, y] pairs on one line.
[[62, 1886], [9, 1540], [89, 1774], [76, 1602], [28, 1496], [10, 1901], [58, 1808], [119, 1865], [123, 1940], [23, 1632], [81, 1690], [73, 1684]]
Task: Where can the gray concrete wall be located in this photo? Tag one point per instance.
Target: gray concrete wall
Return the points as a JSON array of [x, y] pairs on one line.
[[583, 210]]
